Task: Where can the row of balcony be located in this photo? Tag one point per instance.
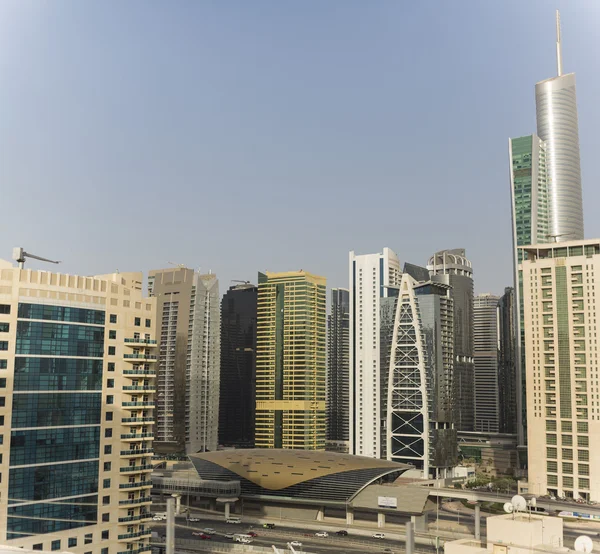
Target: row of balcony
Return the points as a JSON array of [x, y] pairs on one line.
[[139, 340], [143, 533], [131, 501], [136, 451], [141, 517], [137, 436], [145, 548], [137, 485], [137, 419], [130, 469]]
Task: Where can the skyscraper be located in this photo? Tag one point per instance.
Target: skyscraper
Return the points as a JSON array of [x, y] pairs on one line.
[[452, 268], [290, 361], [338, 375], [77, 362], [189, 359], [562, 367], [238, 366], [485, 356], [371, 276], [420, 430], [546, 197], [507, 371]]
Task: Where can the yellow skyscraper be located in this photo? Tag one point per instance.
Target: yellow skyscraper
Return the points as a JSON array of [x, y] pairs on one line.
[[290, 361]]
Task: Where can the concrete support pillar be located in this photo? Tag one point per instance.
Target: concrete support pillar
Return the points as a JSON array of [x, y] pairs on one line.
[[321, 514], [420, 523], [227, 509], [477, 521], [177, 498], [349, 516], [380, 519], [410, 538], [170, 526], [213, 504]]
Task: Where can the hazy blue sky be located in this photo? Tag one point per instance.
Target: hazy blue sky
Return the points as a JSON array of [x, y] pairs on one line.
[[246, 135]]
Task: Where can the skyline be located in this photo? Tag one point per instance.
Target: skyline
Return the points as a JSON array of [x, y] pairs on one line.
[[322, 121]]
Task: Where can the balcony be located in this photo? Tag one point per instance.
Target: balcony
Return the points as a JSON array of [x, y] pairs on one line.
[[131, 469], [137, 436], [128, 536], [137, 485], [140, 341], [140, 387], [145, 548], [131, 501], [137, 404], [136, 452], [141, 517], [137, 420], [140, 356], [139, 372]]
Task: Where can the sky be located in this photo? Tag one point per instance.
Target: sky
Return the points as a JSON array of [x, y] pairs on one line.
[[238, 136]]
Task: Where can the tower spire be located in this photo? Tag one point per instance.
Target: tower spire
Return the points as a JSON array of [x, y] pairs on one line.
[[558, 45]]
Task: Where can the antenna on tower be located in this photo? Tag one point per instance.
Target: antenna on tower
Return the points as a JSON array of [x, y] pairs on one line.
[[558, 45]]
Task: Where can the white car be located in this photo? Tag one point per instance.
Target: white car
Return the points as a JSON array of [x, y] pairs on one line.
[[194, 519], [296, 543], [322, 534], [228, 536], [378, 536], [157, 518], [208, 530]]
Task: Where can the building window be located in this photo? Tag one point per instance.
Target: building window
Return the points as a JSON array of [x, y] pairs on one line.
[[88, 539], [105, 500], [4, 327], [112, 350], [111, 366], [3, 345], [3, 364], [2, 401], [138, 321], [112, 334], [107, 466], [109, 416], [113, 318], [104, 550], [110, 399], [148, 323], [55, 545], [106, 483], [108, 433], [72, 541], [38, 546], [1, 420], [4, 308], [104, 538], [108, 449], [110, 383], [106, 517], [2, 382]]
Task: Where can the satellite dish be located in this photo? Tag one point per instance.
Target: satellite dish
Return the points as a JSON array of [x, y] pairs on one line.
[[584, 544], [508, 508], [533, 502], [519, 503]]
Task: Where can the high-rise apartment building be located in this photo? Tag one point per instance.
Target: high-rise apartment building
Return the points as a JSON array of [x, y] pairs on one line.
[[420, 430], [189, 359], [338, 374], [452, 268], [77, 380], [560, 309], [507, 371], [290, 361], [546, 194], [371, 278], [485, 357], [238, 366]]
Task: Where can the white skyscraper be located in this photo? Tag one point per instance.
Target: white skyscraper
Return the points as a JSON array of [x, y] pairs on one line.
[[371, 275]]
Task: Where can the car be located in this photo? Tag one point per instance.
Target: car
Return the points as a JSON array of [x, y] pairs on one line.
[[203, 536], [208, 530], [269, 525], [378, 536], [252, 534], [342, 533], [296, 543], [228, 536], [388, 550], [194, 519], [321, 534], [157, 518]]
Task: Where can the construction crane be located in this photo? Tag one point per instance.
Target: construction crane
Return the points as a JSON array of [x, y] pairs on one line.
[[238, 281], [181, 266], [19, 255]]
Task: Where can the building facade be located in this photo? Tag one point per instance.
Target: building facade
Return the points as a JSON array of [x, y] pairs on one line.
[[189, 359], [562, 368], [485, 356], [507, 371], [371, 276], [420, 429], [291, 361], [238, 366], [338, 374], [78, 368], [452, 268]]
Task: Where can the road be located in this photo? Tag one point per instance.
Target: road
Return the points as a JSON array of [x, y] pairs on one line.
[[334, 544]]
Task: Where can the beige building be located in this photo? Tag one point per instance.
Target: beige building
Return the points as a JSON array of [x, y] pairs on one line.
[[77, 387], [290, 361], [187, 407], [561, 351]]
